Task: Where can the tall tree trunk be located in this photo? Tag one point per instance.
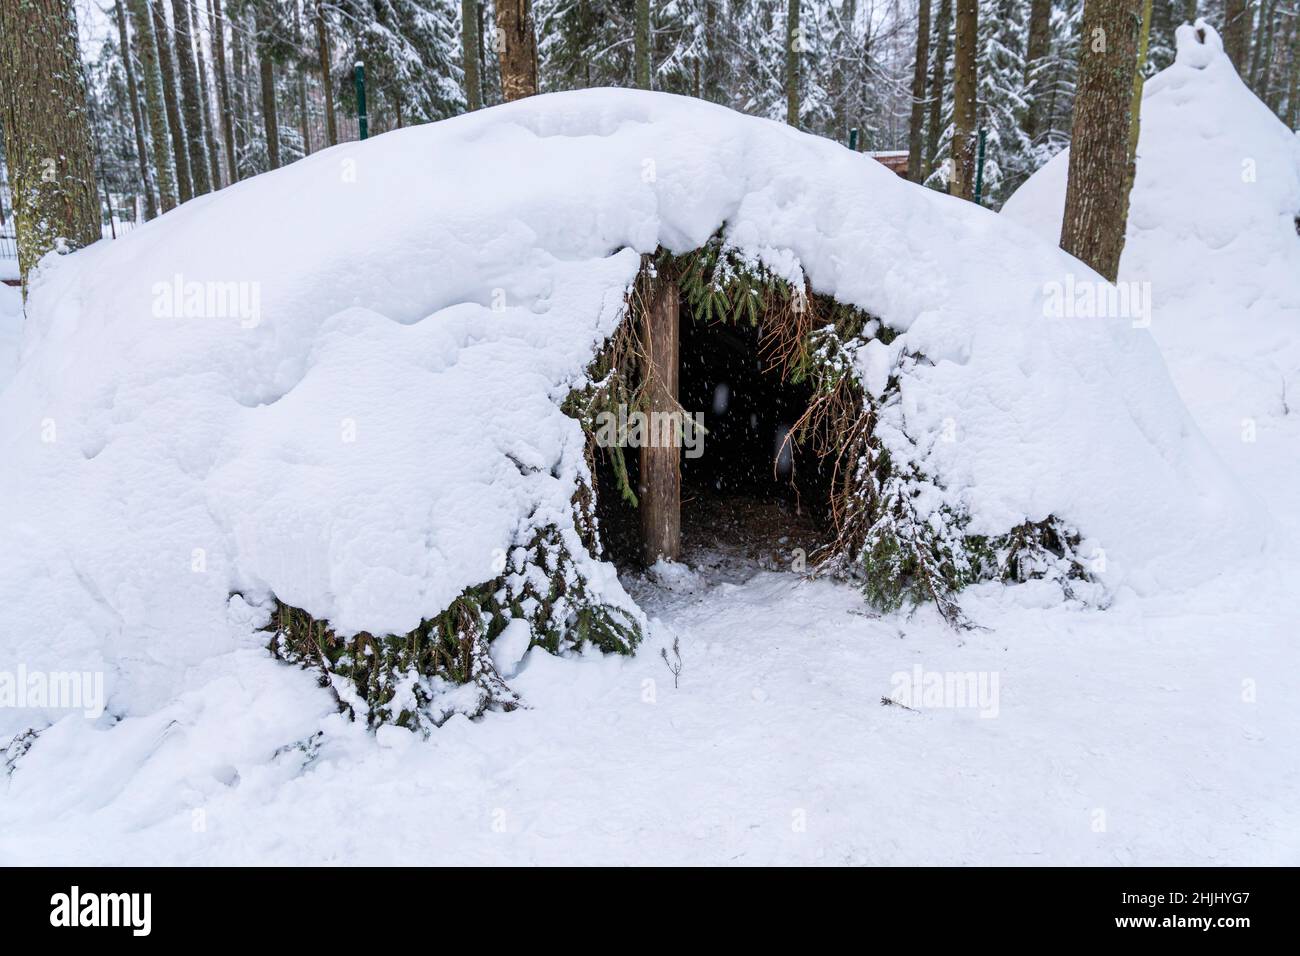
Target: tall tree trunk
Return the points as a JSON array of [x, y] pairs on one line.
[[1277, 56], [793, 49], [1236, 32], [916, 129], [146, 51], [205, 97], [482, 52], [1040, 41], [1096, 195], [270, 117], [218, 27], [137, 115], [965, 40], [840, 45], [1294, 90], [1257, 54], [1263, 82], [517, 49], [469, 54], [641, 45], [192, 110], [47, 131], [327, 84], [938, 81], [167, 68], [1189, 11], [239, 89], [1293, 95], [711, 73], [301, 78]]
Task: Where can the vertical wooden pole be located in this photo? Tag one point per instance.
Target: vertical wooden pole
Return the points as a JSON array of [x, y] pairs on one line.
[[363, 120], [661, 466]]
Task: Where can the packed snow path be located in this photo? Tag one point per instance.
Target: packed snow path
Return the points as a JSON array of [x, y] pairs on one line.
[[1120, 737]]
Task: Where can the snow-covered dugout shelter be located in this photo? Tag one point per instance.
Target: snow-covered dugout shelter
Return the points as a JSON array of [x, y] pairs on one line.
[[345, 410], [1213, 238]]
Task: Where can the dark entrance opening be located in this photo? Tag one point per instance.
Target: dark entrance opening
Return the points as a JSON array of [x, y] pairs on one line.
[[747, 493]]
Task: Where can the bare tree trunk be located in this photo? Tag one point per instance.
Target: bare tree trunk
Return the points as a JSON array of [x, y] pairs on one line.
[[1292, 106], [137, 115], [167, 68], [1262, 29], [916, 129], [641, 45], [482, 52], [218, 26], [793, 44], [712, 61], [323, 45], [270, 118], [517, 49], [1236, 32], [301, 78], [938, 81], [469, 54], [47, 131], [1263, 79], [1096, 196], [239, 89], [146, 51], [841, 43], [1277, 59], [192, 110], [205, 98], [1040, 41], [966, 38]]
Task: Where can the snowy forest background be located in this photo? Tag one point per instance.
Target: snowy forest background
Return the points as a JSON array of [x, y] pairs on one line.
[[268, 81]]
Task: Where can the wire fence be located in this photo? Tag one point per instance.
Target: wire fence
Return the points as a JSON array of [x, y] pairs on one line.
[[113, 228]]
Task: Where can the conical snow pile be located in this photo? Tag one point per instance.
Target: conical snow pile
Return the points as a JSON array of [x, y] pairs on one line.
[[1212, 235]]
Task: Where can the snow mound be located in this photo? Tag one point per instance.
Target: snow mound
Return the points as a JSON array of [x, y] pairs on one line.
[[339, 383], [1213, 232], [1214, 203], [1213, 219]]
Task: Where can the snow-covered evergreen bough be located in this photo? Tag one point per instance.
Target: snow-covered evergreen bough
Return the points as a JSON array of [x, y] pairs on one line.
[[344, 410]]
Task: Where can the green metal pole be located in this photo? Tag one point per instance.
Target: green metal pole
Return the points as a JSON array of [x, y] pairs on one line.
[[979, 169], [853, 139], [363, 121]]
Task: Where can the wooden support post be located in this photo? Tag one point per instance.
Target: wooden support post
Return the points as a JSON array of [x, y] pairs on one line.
[[661, 464]]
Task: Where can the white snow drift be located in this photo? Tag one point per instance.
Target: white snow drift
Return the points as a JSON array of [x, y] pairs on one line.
[[339, 383]]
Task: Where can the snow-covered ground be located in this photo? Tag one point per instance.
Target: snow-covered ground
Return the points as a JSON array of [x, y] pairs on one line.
[[1160, 730], [11, 331]]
